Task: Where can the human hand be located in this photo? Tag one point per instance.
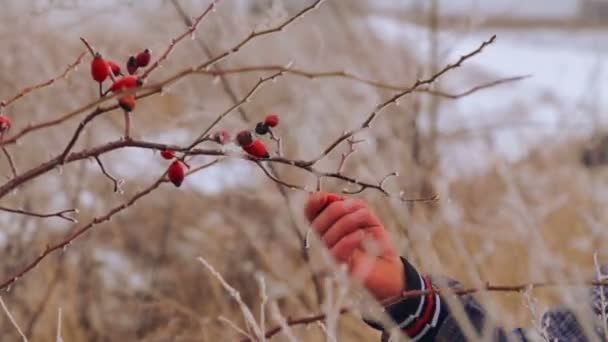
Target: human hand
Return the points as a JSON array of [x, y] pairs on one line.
[[345, 225]]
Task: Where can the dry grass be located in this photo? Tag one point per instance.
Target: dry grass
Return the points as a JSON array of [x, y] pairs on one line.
[[137, 278]]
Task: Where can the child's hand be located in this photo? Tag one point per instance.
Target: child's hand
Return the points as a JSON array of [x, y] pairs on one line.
[[346, 226]]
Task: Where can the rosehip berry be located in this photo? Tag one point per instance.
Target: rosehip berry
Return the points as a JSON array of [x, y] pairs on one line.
[[132, 65], [167, 154], [244, 138], [143, 58], [256, 149], [5, 124], [115, 68], [125, 82], [99, 68], [176, 173], [221, 137], [127, 102], [271, 120], [261, 128]]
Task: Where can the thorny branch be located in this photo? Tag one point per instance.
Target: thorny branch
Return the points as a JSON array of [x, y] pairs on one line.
[[445, 291], [60, 214], [95, 221], [159, 86], [44, 84], [308, 165]]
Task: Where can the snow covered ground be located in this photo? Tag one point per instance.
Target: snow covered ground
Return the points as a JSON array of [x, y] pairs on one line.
[[561, 99]]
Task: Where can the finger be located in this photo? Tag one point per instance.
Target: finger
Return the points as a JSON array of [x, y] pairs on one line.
[[334, 212], [343, 250], [314, 204], [317, 202], [360, 219]]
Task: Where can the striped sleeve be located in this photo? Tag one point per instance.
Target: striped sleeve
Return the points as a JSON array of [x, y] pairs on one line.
[[418, 317]]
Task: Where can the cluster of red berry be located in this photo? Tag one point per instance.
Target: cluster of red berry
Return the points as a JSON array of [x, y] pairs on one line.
[[176, 169], [245, 139], [256, 147], [101, 69]]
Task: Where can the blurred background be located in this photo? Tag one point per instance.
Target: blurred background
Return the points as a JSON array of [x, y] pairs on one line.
[[518, 168]]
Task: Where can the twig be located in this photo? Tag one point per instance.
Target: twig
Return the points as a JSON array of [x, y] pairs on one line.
[[47, 83], [10, 160], [60, 214], [117, 182], [255, 34], [351, 76], [277, 140], [127, 134], [88, 45], [59, 337], [277, 180], [233, 326], [12, 319], [95, 221], [76, 134], [351, 150], [248, 315], [179, 38]]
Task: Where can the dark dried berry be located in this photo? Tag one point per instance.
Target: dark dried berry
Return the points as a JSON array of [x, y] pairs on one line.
[[261, 128], [132, 65]]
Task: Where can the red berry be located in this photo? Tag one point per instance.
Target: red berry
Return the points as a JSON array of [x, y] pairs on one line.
[[244, 138], [256, 149], [221, 137], [99, 68], [271, 120], [5, 124], [167, 154], [143, 58], [115, 68], [176, 173], [131, 65], [127, 102], [125, 82]]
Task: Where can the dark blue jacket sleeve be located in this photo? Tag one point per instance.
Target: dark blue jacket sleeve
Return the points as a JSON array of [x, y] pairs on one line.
[[429, 318]]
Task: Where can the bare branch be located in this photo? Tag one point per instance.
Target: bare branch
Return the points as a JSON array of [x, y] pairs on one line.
[[10, 160], [176, 40], [255, 34], [44, 84], [380, 107], [60, 214], [351, 76], [95, 221]]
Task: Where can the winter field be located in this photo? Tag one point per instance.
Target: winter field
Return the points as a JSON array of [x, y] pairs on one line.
[[499, 141]]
